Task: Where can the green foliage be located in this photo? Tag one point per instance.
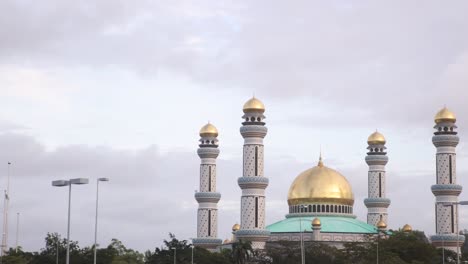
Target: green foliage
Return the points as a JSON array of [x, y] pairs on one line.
[[398, 248]]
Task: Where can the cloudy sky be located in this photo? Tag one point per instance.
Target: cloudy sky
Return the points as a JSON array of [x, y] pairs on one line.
[[119, 89]]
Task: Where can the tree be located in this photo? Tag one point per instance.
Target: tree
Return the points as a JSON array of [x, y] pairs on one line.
[[241, 251]]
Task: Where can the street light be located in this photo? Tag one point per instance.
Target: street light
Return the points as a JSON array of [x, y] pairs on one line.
[[175, 254], [192, 252], [62, 183], [95, 224], [458, 231]]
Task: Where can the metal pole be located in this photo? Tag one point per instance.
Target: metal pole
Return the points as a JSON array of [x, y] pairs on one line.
[[58, 241], [96, 222], [302, 242], [378, 238], [68, 226], [17, 230], [175, 254], [192, 253], [458, 245], [443, 250]]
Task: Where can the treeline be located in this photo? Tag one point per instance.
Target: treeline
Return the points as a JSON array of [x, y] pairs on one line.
[[399, 248]]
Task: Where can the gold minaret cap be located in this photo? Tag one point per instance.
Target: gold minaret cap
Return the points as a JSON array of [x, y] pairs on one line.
[[376, 138], [381, 225], [445, 115], [407, 228], [235, 227], [208, 130], [254, 105], [316, 222]]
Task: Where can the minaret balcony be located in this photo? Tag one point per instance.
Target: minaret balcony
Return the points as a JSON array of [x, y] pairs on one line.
[[207, 242], [447, 240], [207, 197], [377, 202], [253, 234], [253, 131], [376, 160], [446, 189], [210, 152], [445, 140], [253, 182]]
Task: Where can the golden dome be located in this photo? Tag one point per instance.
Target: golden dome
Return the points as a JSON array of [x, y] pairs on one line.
[[235, 227], [407, 228], [376, 138], [254, 105], [381, 225], [320, 184], [208, 130], [316, 222], [445, 115]]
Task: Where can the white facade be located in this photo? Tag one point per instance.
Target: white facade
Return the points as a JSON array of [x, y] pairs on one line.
[[446, 189], [377, 202], [207, 197], [253, 182]]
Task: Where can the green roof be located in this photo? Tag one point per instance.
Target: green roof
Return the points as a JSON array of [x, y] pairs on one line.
[[330, 224]]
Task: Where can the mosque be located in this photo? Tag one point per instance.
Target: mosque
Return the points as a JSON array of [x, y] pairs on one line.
[[320, 199]]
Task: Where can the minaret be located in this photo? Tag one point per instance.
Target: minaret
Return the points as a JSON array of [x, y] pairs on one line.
[[376, 158], [207, 197], [253, 182], [446, 189]]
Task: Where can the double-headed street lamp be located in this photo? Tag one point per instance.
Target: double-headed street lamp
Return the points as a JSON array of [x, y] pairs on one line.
[[95, 224], [62, 183], [457, 228]]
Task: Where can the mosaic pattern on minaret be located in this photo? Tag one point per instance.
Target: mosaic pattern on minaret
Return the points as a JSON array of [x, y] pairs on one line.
[[207, 197]]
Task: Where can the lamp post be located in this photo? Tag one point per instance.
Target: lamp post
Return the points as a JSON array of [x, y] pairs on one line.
[[192, 252], [302, 238], [95, 223], [175, 254], [457, 227], [62, 183]]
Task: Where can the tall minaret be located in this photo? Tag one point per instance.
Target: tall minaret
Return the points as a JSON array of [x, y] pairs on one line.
[[446, 189], [253, 183], [376, 158], [207, 197]]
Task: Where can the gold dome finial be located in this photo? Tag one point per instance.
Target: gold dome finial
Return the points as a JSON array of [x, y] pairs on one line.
[[320, 162], [407, 228], [208, 130], [381, 224], [235, 227], [376, 138], [445, 115], [316, 222], [254, 105]]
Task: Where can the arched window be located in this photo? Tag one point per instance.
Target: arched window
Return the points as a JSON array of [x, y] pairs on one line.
[[314, 208], [323, 208], [256, 160], [328, 208], [209, 178], [310, 208]]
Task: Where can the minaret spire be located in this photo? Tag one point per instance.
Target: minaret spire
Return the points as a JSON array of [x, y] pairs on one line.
[[377, 202], [207, 197], [446, 189], [253, 181]]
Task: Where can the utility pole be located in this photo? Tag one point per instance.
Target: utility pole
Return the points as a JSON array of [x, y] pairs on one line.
[[17, 230], [6, 202]]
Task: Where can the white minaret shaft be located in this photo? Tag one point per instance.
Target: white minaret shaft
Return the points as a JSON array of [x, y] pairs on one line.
[[207, 197], [446, 189], [253, 182], [377, 202], [6, 204]]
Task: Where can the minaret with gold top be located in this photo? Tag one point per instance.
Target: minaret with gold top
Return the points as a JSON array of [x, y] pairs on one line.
[[376, 203], [446, 189], [207, 197], [253, 182]]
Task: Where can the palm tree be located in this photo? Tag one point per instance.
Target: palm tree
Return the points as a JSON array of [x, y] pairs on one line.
[[241, 251]]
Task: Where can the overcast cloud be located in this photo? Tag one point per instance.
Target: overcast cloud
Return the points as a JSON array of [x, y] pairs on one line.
[[119, 89]]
